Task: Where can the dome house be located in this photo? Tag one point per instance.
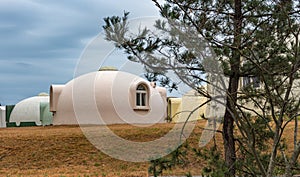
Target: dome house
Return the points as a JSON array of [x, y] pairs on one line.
[[107, 96]]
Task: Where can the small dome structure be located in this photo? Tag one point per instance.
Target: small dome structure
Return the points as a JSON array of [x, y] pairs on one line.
[[107, 97], [29, 110]]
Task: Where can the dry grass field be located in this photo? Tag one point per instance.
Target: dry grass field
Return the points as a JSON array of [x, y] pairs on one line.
[[64, 151]]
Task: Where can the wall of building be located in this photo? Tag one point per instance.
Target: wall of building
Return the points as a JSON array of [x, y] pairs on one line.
[[187, 107], [2, 117]]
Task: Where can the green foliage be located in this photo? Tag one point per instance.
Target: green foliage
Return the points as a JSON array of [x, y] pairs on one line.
[[176, 158], [213, 158], [258, 138]]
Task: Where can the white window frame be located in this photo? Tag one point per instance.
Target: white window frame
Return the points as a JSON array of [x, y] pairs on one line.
[[141, 97]]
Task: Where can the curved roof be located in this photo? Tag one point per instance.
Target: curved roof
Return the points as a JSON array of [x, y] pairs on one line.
[[28, 110], [106, 98]]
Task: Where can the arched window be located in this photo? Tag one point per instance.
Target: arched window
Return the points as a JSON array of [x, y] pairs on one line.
[[141, 96]]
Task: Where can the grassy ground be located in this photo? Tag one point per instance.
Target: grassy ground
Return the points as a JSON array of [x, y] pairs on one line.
[[64, 151]]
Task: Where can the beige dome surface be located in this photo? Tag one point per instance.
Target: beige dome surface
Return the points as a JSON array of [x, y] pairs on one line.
[[106, 97], [28, 110]]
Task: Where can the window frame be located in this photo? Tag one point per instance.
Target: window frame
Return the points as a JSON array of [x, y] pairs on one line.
[[141, 101], [252, 81]]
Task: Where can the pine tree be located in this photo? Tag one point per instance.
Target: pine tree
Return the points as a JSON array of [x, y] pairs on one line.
[[252, 39]]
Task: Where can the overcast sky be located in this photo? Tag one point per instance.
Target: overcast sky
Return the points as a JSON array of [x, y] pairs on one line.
[[42, 40]]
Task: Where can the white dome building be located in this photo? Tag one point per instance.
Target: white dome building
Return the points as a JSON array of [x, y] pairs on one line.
[[107, 97], [29, 110]]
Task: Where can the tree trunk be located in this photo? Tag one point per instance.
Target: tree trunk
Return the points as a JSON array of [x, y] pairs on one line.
[[228, 136], [235, 61]]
